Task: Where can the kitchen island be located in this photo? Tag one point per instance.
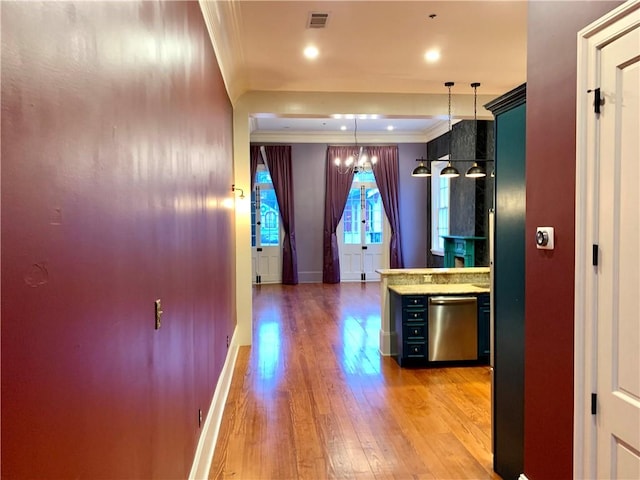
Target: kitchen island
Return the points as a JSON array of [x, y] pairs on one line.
[[423, 281]]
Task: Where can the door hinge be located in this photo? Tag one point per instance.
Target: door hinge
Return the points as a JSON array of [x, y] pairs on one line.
[[594, 255], [597, 100], [594, 403]]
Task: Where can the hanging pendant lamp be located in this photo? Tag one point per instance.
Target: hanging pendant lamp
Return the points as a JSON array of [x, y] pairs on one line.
[[421, 170], [476, 171], [449, 171]]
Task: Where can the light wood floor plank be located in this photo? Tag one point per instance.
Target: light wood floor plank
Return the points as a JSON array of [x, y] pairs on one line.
[[313, 398]]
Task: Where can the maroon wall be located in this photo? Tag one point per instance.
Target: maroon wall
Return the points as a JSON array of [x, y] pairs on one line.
[[116, 146], [551, 124]]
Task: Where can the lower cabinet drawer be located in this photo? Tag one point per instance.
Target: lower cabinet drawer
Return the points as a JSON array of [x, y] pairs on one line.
[[417, 331], [415, 350], [414, 301], [414, 315]]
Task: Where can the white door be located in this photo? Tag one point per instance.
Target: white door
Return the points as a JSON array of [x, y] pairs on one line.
[[266, 233], [363, 234], [613, 223]]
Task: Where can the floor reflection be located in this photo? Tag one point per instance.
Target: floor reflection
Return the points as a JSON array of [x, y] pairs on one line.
[[268, 349], [360, 354]]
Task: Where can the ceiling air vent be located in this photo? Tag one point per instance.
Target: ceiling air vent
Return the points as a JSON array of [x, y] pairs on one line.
[[317, 20]]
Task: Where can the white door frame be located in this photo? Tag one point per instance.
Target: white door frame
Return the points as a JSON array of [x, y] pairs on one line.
[[594, 36]]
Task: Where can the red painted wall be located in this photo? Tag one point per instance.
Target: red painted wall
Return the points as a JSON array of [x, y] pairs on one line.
[[116, 149], [551, 124]]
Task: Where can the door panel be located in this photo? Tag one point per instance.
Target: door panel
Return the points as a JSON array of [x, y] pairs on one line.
[[266, 259], [618, 284], [363, 234]]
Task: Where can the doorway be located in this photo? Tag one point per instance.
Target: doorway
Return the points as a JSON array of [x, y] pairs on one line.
[[363, 232], [266, 230]]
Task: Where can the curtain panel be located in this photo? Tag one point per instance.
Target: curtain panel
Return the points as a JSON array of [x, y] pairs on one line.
[[337, 188], [278, 159], [386, 172], [254, 159]]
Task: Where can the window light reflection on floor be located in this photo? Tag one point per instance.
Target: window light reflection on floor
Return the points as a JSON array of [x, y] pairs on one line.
[[360, 355], [268, 349]]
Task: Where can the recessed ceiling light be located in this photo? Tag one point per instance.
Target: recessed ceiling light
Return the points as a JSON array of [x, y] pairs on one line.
[[432, 56], [343, 127], [390, 127], [311, 52]]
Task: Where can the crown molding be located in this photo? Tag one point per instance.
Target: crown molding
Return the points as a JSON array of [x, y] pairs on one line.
[[223, 21]]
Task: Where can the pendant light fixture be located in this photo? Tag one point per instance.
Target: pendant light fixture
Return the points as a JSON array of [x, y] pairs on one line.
[[421, 170], [476, 171], [449, 171]]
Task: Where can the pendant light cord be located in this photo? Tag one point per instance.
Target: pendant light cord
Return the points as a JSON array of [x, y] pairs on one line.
[[475, 109], [449, 85]]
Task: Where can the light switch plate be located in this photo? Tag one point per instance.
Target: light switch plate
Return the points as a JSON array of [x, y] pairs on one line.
[[544, 238]]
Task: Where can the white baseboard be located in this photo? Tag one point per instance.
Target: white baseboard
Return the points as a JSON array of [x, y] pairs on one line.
[[522, 477], [211, 428]]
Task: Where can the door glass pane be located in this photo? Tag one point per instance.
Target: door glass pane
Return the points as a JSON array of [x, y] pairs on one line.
[[263, 176], [269, 218], [374, 212], [351, 218], [253, 219], [363, 177]]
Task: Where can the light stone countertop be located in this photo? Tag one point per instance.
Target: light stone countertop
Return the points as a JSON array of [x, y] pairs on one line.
[[438, 289], [431, 271]]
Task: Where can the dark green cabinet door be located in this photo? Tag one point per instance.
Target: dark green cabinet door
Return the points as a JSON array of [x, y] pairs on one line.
[[509, 292]]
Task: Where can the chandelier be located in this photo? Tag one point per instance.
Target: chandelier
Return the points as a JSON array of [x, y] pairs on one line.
[[358, 160]]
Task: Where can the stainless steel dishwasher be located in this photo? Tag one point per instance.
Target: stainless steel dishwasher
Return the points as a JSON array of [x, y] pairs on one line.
[[453, 328]]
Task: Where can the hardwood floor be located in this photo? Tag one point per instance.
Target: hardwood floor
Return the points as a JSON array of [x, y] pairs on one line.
[[313, 398]]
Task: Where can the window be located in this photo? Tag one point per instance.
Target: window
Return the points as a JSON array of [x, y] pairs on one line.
[[440, 194], [265, 231], [363, 203]]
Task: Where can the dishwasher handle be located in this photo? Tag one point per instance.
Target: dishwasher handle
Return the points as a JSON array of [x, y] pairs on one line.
[[451, 300]]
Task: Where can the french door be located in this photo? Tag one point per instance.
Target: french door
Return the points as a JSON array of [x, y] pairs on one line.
[[266, 235], [363, 234]]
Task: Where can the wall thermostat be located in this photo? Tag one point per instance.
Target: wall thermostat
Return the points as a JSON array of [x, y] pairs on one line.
[[544, 238]]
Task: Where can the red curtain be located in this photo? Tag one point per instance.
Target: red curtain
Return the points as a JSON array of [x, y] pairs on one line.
[[386, 172], [278, 158], [337, 188]]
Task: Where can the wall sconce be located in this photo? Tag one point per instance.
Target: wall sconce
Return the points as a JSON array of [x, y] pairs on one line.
[[237, 189]]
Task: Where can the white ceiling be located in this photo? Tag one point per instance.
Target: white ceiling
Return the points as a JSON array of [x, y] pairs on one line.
[[367, 46]]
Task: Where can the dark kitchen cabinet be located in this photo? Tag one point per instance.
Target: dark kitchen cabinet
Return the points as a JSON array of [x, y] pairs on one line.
[[509, 111], [484, 321], [411, 319], [410, 313]]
